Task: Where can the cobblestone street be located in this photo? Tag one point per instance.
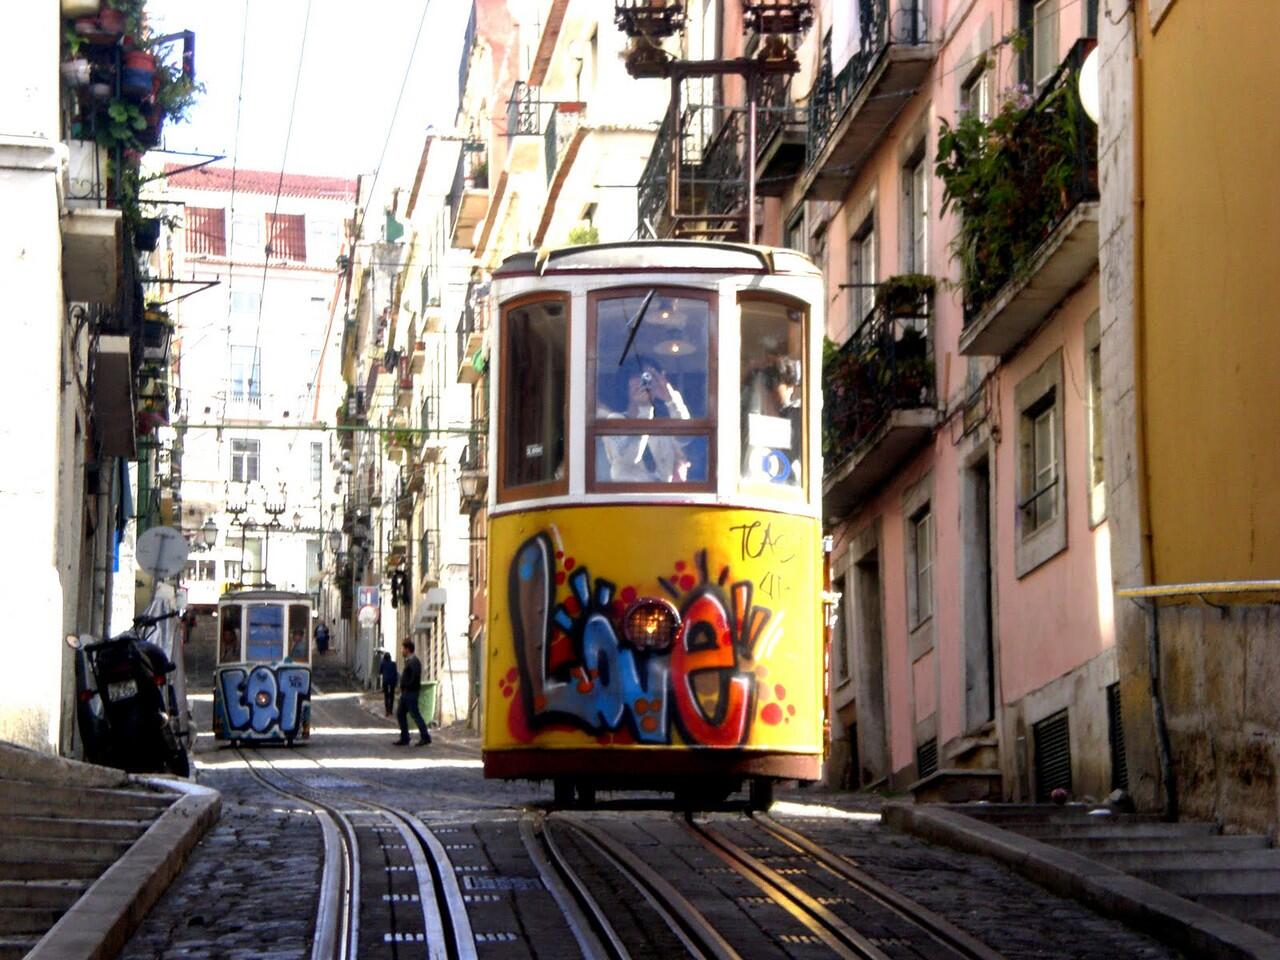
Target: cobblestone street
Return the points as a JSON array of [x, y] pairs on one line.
[[250, 889]]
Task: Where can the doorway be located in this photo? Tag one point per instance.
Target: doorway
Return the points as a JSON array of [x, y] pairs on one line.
[[979, 648]]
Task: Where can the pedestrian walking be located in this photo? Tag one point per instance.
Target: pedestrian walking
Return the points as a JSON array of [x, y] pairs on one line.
[[322, 637], [389, 674], [410, 685]]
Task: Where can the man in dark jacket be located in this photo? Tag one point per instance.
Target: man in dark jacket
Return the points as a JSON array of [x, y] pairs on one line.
[[389, 674], [410, 684]]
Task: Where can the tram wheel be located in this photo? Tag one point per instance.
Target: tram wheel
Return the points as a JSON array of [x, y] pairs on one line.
[[760, 794], [562, 792], [586, 794]]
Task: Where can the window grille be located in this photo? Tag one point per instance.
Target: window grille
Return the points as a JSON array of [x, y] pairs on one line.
[[1052, 755]]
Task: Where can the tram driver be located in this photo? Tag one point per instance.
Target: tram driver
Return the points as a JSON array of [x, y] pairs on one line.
[[646, 458]]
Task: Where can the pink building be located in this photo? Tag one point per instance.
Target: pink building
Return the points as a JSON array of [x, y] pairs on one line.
[[974, 652]]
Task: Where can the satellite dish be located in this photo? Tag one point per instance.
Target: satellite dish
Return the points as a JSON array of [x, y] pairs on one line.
[[162, 552]]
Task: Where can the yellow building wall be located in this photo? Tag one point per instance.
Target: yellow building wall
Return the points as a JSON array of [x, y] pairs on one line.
[[1210, 106]]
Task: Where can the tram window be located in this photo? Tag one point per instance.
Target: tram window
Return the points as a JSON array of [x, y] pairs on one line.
[[299, 632], [773, 380], [266, 632], [535, 386], [651, 383], [229, 643]]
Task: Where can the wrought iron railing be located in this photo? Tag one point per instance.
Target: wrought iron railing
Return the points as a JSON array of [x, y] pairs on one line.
[[524, 111], [653, 192], [777, 16], [1054, 134], [649, 18], [775, 112], [468, 40], [833, 93], [562, 124], [886, 365], [473, 458]]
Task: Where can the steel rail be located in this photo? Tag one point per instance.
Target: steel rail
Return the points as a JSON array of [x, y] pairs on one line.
[[437, 880], [938, 927], [841, 938], [338, 911], [694, 930], [552, 865]]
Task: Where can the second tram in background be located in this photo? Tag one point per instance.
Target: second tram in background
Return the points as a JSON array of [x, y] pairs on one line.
[[655, 610], [262, 682]]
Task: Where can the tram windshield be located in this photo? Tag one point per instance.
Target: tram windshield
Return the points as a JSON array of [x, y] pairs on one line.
[[773, 378], [537, 335], [652, 386]]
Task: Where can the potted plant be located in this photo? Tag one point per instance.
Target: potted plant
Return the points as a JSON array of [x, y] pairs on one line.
[[80, 8], [77, 72]]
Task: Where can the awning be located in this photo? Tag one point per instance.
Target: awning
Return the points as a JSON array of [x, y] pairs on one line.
[[433, 601]]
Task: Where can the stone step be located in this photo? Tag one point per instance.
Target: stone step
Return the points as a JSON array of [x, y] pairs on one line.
[[1252, 908], [951, 785], [55, 894], [27, 920], [19, 798], [55, 869], [1193, 883], [1147, 861], [1090, 846], [58, 849], [1041, 831], [1002, 815], [18, 826], [15, 948]]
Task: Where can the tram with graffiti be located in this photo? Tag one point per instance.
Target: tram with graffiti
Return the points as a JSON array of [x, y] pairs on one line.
[[655, 610], [262, 681]]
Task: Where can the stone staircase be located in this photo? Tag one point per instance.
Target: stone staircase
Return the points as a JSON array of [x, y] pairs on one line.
[[1237, 875], [970, 772]]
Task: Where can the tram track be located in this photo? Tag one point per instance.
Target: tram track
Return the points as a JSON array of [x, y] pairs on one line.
[[445, 930]]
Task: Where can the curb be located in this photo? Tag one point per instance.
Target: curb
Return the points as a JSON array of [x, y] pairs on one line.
[[1182, 924], [100, 923]]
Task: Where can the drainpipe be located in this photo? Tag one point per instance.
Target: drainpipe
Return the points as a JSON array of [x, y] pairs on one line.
[[1164, 751]]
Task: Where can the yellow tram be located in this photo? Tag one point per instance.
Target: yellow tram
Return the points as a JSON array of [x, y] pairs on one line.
[[262, 681], [655, 610]]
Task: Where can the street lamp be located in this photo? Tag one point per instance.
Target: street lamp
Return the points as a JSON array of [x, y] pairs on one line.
[[469, 484], [209, 533]]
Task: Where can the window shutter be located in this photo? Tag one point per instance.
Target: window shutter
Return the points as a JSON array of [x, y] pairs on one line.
[[287, 236], [206, 231]]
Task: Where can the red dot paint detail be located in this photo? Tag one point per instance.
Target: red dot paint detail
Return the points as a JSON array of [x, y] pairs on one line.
[[780, 691], [765, 692], [762, 671], [641, 707], [686, 582], [628, 594], [680, 565], [650, 724], [508, 691], [569, 563], [571, 606], [512, 674], [791, 709], [559, 554], [771, 714], [560, 577]]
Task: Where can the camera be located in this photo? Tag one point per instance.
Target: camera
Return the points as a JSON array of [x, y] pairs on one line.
[[646, 378]]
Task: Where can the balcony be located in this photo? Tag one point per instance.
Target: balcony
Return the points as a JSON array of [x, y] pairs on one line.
[[526, 118], [709, 197], [468, 200], [772, 17], [472, 361], [850, 112], [560, 135], [780, 138], [113, 401], [1048, 170], [650, 19], [878, 395]]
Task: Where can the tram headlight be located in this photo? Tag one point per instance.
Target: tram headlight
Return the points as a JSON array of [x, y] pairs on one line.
[[263, 698], [651, 624]]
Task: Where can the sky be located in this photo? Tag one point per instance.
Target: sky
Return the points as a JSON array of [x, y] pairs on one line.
[[354, 61]]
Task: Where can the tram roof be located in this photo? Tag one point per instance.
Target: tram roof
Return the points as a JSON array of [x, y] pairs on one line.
[[669, 256], [237, 595]]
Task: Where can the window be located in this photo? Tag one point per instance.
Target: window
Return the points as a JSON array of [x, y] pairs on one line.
[[231, 570], [839, 635], [246, 375], [1039, 479], [1044, 41], [201, 570], [244, 461], [287, 237], [251, 564], [246, 235], [795, 231], [1093, 384], [915, 183], [772, 378], [535, 385], [245, 303], [922, 566], [650, 378], [317, 462], [206, 231], [862, 272], [975, 93], [322, 240]]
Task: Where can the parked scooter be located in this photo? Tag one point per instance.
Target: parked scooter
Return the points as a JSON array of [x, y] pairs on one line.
[[124, 715]]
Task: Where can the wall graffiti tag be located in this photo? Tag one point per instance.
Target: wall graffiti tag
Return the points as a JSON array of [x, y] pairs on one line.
[[264, 701], [577, 669]]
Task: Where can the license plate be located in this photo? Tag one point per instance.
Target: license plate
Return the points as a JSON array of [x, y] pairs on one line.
[[123, 690]]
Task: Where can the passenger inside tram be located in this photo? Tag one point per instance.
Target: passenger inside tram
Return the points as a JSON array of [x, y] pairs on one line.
[[646, 458]]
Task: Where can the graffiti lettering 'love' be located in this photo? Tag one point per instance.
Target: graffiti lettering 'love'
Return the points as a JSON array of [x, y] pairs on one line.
[[264, 701], [603, 683]]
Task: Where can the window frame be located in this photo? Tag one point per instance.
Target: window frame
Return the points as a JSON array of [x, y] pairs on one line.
[[1095, 425], [1035, 394], [249, 396], [862, 298], [705, 427], [980, 81], [1052, 10], [915, 181], [244, 456], [921, 611], [802, 491], [507, 493]]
